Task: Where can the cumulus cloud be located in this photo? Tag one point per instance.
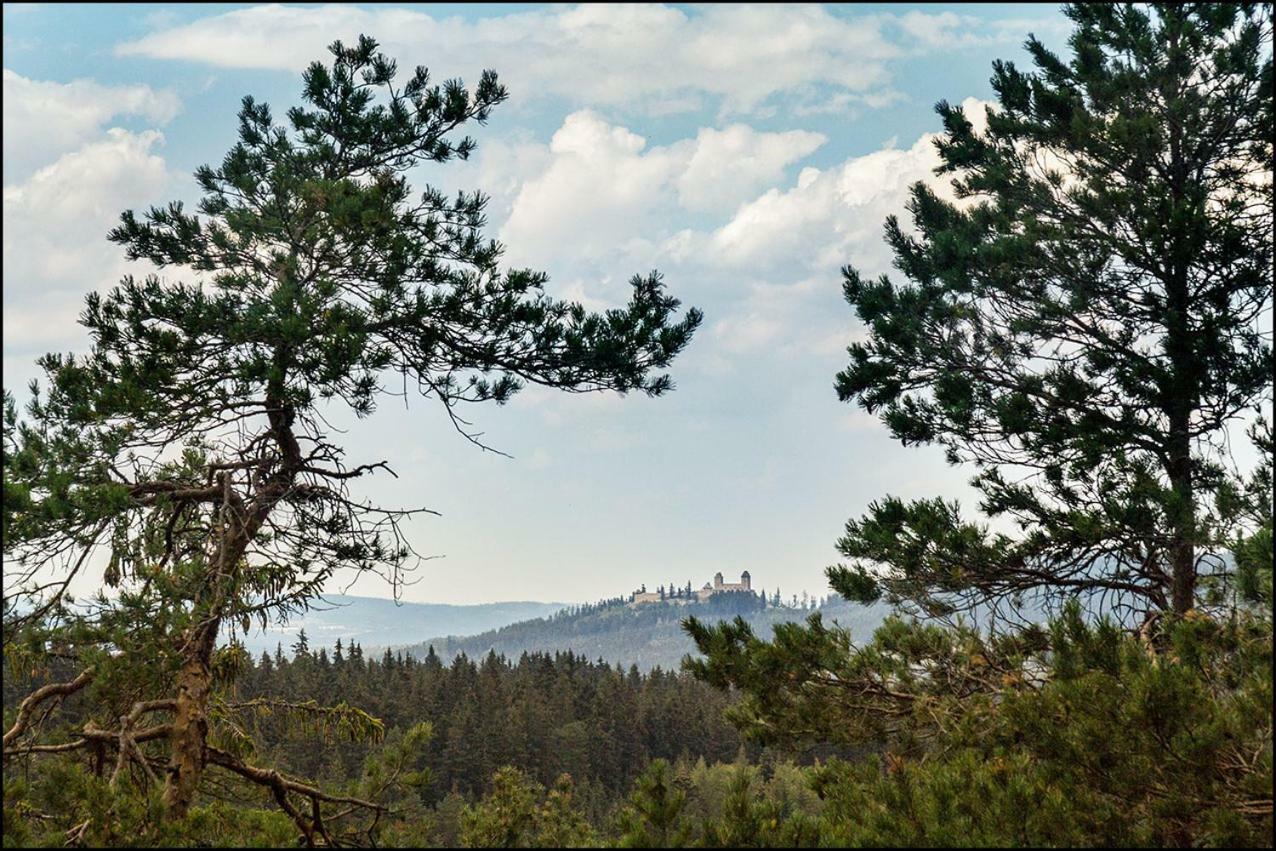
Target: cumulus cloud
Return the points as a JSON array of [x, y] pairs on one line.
[[714, 211], [597, 188], [939, 30], [43, 119], [729, 166], [55, 225], [651, 57], [783, 249], [816, 222], [950, 31]]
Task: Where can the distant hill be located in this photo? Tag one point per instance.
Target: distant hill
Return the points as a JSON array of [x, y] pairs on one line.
[[377, 622], [649, 635]]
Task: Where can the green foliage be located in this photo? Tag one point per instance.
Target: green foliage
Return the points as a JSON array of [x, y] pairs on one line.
[[396, 775], [547, 714], [1081, 735], [652, 817], [751, 819], [64, 804], [1251, 503], [1149, 753], [517, 813], [191, 441], [811, 682], [1078, 734], [1082, 321], [1254, 566], [560, 823]]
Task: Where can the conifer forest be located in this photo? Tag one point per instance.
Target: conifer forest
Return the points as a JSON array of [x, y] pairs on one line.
[[1071, 312]]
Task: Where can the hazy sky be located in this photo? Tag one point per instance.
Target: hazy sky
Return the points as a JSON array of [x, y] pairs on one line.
[[745, 152]]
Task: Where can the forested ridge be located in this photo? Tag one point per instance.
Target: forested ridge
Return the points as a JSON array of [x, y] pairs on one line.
[[558, 751], [649, 635], [546, 713], [1080, 318]]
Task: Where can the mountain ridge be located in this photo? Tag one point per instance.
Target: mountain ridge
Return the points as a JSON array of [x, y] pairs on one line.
[[647, 636]]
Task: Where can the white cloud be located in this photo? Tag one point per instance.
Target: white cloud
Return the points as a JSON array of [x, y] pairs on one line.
[[598, 187], [597, 204], [500, 167], [729, 166], [650, 57], [938, 30], [746, 331], [787, 319], [43, 120], [55, 225], [814, 224], [782, 250], [951, 31]]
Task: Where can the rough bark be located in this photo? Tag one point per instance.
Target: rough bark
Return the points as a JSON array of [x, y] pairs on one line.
[[189, 736], [239, 523]]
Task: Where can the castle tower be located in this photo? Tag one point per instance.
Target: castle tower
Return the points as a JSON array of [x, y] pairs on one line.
[[717, 579], [745, 581]]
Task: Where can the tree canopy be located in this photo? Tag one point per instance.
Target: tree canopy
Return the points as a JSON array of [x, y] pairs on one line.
[[192, 440], [1087, 320]]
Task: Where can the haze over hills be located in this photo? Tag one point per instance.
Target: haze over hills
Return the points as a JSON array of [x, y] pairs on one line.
[[378, 622], [647, 635]]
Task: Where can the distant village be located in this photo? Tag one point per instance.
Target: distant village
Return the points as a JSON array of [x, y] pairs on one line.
[[685, 594]]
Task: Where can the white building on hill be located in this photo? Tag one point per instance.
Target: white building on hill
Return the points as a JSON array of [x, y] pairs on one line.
[[745, 584], [642, 595]]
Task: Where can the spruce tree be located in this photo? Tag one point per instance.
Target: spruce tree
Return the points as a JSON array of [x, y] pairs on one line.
[[1088, 323], [191, 441]]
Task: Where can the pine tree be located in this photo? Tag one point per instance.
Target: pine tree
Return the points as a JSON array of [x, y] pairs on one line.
[[560, 823], [1084, 323], [652, 817], [507, 816], [191, 439]]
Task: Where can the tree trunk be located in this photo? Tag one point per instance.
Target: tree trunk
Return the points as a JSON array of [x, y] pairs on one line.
[[1183, 546], [1182, 505], [189, 736], [1184, 384], [190, 721], [239, 524]]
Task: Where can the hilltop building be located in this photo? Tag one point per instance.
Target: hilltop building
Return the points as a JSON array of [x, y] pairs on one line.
[[745, 584], [642, 595]]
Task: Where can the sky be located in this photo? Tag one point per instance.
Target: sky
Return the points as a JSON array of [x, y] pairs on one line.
[[748, 153]]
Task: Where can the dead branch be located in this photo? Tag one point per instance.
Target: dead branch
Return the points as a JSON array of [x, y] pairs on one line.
[[39, 696], [280, 785], [266, 777]]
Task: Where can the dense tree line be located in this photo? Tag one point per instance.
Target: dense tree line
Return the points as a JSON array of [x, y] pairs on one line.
[[546, 713], [1074, 735]]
